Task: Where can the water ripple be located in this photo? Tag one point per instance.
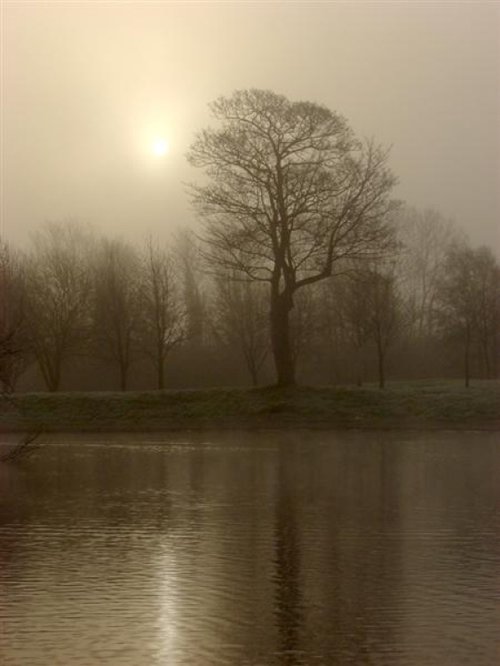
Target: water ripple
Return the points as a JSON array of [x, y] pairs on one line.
[[255, 550]]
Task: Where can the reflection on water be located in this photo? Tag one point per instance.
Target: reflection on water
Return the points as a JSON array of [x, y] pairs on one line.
[[263, 549]]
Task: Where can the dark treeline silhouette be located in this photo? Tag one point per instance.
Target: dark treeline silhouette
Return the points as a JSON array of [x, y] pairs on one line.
[[307, 268], [80, 311]]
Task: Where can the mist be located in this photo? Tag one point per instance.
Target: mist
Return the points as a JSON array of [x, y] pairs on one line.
[[86, 88], [249, 332]]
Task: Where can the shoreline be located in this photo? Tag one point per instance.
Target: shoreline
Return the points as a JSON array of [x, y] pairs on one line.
[[247, 428], [429, 406]]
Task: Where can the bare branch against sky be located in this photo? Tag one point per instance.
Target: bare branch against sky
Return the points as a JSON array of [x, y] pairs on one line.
[[100, 100]]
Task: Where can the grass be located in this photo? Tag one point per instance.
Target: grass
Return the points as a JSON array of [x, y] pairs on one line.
[[425, 404]]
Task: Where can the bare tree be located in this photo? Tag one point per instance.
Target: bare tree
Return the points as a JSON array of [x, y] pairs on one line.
[[58, 293], [352, 306], [242, 320], [426, 238], [116, 305], [162, 323], [367, 308], [186, 252], [385, 313], [469, 303], [487, 310], [14, 352], [291, 191]]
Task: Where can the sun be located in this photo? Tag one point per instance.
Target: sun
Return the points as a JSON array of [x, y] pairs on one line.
[[159, 146]]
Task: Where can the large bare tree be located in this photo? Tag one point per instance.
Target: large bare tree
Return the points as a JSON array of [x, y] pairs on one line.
[[290, 192]]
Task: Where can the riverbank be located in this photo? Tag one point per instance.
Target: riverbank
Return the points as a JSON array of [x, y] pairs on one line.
[[418, 405]]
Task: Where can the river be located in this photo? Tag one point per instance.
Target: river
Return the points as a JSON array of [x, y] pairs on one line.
[[258, 549]]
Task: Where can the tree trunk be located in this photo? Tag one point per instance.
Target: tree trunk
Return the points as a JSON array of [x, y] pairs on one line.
[[280, 339]]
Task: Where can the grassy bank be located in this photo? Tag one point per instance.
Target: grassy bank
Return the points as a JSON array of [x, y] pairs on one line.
[[401, 405]]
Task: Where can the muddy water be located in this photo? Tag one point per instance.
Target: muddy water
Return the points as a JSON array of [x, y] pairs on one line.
[[252, 549]]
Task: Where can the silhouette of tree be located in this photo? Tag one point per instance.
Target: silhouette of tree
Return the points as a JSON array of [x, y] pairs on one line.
[[291, 191], [469, 300], [59, 287], [14, 348], [162, 314], [116, 305], [241, 319]]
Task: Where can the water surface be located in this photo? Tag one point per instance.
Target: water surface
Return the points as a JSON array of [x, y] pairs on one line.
[[252, 549]]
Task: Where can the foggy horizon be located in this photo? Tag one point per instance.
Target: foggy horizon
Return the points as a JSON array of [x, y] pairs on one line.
[[86, 89]]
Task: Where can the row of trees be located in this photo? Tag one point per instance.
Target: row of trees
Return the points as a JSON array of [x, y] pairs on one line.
[[291, 199], [307, 252], [433, 309], [430, 309], [75, 295]]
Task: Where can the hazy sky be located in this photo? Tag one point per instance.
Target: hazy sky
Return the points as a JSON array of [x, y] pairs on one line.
[[85, 87]]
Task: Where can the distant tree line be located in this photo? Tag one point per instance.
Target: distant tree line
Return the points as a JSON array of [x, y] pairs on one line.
[[82, 311], [306, 269]]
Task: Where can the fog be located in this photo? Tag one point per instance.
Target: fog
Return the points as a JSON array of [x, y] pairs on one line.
[[87, 86]]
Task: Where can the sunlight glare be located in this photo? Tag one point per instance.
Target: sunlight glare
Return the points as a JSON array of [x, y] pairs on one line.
[[160, 147]]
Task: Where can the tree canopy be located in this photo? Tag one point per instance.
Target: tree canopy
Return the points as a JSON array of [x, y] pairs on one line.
[[290, 192]]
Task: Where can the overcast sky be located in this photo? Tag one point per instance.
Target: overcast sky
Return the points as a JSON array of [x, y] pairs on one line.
[[85, 87]]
